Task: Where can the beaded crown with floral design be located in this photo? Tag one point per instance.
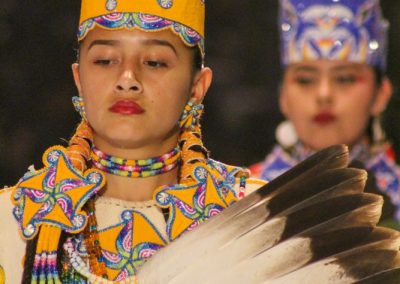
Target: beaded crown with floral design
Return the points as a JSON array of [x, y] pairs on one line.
[[184, 17], [352, 30]]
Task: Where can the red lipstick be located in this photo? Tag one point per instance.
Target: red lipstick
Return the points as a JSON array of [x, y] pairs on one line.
[[126, 107], [324, 118]]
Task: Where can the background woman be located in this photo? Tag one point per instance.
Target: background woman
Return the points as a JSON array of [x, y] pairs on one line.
[[334, 89]]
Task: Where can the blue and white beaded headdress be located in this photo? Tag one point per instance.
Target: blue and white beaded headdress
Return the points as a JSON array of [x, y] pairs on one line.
[[352, 30]]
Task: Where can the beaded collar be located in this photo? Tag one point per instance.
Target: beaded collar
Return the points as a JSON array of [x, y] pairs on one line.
[[136, 168]]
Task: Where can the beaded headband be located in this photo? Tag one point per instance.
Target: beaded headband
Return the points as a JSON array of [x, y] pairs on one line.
[[352, 30], [183, 17]]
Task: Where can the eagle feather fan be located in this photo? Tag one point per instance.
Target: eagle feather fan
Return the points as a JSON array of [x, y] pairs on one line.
[[313, 224]]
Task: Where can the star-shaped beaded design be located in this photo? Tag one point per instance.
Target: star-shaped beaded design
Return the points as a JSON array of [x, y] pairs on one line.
[[210, 192], [126, 246], [54, 195]]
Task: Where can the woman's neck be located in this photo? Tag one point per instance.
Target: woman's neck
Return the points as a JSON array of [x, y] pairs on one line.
[[137, 189]]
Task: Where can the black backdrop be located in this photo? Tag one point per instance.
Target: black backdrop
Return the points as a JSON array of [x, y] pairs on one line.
[[37, 41]]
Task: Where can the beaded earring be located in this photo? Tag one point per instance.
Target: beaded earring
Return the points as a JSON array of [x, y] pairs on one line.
[[378, 134], [191, 115], [286, 135], [79, 105]]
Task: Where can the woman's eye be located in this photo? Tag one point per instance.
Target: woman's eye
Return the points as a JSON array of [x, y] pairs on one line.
[[155, 63], [346, 79], [103, 62], [304, 81]]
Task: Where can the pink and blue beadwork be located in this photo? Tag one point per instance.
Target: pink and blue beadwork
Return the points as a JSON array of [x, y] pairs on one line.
[[144, 22], [334, 30], [44, 268]]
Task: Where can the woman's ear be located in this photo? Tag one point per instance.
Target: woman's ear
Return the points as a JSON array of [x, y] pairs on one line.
[[383, 95], [77, 78], [201, 83]]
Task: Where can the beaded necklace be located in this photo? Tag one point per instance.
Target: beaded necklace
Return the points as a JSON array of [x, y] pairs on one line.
[[136, 168]]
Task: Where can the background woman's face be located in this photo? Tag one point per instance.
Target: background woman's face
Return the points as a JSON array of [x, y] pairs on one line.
[[329, 102], [135, 85]]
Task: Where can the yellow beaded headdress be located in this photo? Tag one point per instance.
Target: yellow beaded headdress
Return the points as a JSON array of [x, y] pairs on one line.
[[184, 17]]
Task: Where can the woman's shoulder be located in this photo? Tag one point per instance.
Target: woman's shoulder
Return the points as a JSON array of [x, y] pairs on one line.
[[274, 164], [5, 200], [12, 247], [253, 184], [6, 208]]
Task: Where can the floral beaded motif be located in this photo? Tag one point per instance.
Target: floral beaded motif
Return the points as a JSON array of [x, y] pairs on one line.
[[54, 195], [111, 5], [191, 115], [166, 4]]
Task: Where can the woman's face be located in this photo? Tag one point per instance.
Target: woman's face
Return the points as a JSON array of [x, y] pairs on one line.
[[330, 102], [135, 85]]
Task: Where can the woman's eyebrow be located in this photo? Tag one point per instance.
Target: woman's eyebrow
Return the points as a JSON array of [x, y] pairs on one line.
[[305, 68], [108, 42], [345, 68], [161, 43]]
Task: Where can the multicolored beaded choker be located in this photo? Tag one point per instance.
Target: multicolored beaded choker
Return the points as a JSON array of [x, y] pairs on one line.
[[136, 168]]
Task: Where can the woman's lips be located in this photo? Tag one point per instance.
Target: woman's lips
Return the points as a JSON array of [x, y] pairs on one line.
[[324, 118], [126, 107]]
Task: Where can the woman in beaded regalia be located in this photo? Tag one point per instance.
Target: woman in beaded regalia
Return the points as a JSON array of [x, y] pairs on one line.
[[135, 175], [334, 89]]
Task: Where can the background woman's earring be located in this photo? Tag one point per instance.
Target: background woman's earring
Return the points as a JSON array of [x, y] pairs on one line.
[[79, 106], [191, 116], [286, 134], [378, 134]]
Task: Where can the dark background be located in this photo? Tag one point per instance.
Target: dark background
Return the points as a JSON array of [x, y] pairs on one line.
[[37, 41]]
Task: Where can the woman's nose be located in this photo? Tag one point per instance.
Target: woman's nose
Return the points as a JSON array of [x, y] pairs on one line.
[[324, 92], [128, 82]]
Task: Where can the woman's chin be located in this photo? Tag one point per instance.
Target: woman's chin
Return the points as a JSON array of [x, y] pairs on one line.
[[316, 146], [119, 142], [319, 144], [122, 137]]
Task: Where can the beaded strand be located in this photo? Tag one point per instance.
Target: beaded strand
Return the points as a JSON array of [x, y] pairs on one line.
[[242, 186], [92, 242], [136, 168]]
